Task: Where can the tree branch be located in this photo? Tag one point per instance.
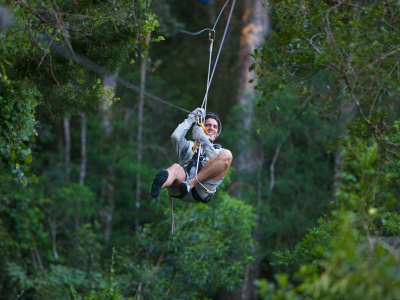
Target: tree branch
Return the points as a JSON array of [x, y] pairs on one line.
[[385, 56], [272, 167], [153, 271]]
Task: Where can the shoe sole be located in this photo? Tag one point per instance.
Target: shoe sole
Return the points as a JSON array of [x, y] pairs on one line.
[[158, 181], [183, 189]]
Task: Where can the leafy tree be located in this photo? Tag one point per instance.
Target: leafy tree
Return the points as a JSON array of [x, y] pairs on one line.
[[54, 47], [333, 54], [354, 253], [352, 47], [208, 252]]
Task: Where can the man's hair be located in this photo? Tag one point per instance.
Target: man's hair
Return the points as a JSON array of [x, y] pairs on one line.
[[211, 115]]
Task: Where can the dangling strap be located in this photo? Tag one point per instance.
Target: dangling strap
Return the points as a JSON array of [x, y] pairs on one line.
[[171, 206]]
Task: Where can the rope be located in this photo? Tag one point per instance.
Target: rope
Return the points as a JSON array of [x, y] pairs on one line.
[[205, 109], [171, 206], [208, 74], [209, 78], [220, 48]]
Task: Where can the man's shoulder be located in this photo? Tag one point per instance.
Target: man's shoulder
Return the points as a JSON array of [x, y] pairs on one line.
[[219, 148]]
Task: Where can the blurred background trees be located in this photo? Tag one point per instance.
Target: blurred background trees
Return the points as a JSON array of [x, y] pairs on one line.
[[339, 59], [315, 150]]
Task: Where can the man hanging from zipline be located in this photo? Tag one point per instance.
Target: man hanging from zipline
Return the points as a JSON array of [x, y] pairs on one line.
[[195, 179]]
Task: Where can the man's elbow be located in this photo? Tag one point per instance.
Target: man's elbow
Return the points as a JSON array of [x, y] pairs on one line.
[[175, 138]]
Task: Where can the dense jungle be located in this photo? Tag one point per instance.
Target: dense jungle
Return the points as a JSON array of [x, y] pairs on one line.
[[307, 92]]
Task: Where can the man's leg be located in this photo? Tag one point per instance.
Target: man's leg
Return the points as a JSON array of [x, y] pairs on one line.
[[172, 176], [214, 169], [176, 176]]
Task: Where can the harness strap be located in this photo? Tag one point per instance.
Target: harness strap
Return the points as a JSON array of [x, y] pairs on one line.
[[202, 157], [194, 160], [195, 195]]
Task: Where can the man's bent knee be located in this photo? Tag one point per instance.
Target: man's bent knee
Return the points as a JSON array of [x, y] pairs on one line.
[[178, 173], [227, 157], [175, 166]]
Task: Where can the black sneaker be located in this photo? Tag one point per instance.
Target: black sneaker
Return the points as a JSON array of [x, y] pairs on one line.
[[184, 188], [158, 181]]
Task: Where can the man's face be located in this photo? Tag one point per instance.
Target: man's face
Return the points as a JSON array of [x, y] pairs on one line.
[[212, 127]]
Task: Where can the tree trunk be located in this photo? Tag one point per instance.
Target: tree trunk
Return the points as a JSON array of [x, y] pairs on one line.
[[82, 174], [109, 82], [143, 77], [53, 226], [67, 136], [345, 116], [255, 26], [107, 213]]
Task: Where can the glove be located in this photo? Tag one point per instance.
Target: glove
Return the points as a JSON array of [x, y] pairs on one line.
[[199, 135], [192, 116]]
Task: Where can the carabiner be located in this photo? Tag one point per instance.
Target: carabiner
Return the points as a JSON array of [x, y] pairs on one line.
[[211, 35]]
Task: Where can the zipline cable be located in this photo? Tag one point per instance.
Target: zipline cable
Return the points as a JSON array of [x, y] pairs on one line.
[[88, 64], [205, 29], [193, 33], [220, 14]]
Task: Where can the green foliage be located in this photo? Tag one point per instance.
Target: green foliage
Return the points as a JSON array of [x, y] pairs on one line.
[[391, 224], [293, 177], [18, 101], [57, 47], [211, 248], [348, 256], [349, 48], [209, 251], [108, 290], [55, 281], [351, 270], [32, 253], [310, 249], [76, 201], [339, 59], [56, 235]]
